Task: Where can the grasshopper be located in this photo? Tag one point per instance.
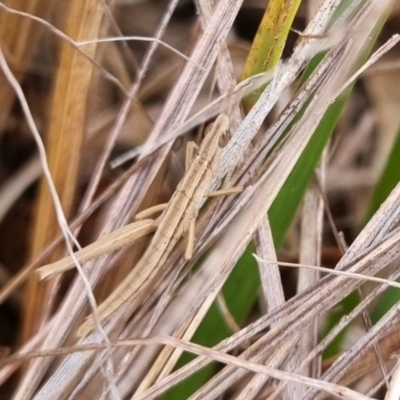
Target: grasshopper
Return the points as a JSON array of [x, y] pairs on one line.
[[177, 219]]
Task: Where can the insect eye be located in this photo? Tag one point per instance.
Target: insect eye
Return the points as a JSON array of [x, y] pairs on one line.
[[224, 139]]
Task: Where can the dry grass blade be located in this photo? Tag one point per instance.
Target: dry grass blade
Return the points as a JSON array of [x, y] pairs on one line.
[[310, 252], [270, 277], [315, 268], [273, 293], [334, 389], [105, 244], [394, 390]]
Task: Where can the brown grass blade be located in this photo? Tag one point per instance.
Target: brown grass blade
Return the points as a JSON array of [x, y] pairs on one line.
[[19, 38], [64, 142]]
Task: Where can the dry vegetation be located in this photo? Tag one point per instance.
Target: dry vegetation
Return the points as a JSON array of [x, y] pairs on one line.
[[291, 292]]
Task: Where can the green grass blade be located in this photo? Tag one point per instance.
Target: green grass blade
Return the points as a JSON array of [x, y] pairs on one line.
[[268, 44], [388, 180]]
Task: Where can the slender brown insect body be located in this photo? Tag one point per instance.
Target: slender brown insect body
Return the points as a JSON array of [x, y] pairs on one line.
[[176, 220]]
